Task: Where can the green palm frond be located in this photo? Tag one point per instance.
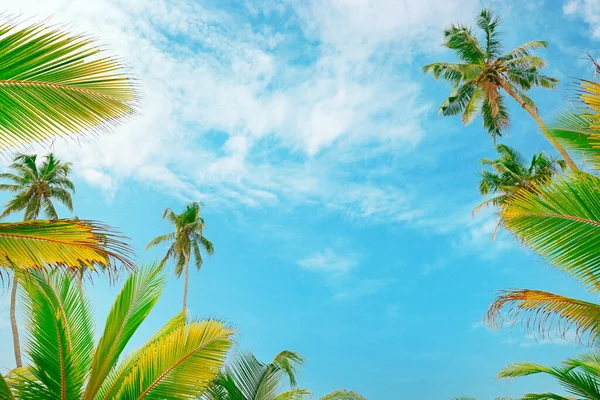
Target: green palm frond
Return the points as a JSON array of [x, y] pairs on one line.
[[543, 313], [489, 22], [294, 394], [562, 223], [5, 391], [61, 335], [53, 83], [463, 41], [137, 298]]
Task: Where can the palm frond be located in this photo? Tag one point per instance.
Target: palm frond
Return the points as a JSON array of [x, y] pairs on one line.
[[53, 83], [524, 50], [561, 221], [62, 243], [61, 333], [457, 102], [180, 364], [463, 41], [294, 394], [489, 23], [135, 301], [543, 313], [5, 392]]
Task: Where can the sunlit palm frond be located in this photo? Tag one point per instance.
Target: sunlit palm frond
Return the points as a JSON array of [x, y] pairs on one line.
[[54, 83], [543, 313], [135, 301], [62, 243], [5, 391], [561, 221], [180, 364], [463, 41], [294, 394], [489, 22]]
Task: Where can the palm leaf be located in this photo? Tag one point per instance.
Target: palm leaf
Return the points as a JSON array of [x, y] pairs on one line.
[[463, 41], [561, 221], [5, 392], [53, 83], [489, 22], [135, 301], [61, 334], [180, 364], [62, 243], [294, 394], [543, 312]]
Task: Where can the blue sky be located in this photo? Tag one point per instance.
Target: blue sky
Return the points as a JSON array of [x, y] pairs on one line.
[[337, 199]]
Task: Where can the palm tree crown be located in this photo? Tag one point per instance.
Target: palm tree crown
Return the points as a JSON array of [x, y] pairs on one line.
[[511, 173], [36, 186], [246, 378], [188, 240], [483, 70]]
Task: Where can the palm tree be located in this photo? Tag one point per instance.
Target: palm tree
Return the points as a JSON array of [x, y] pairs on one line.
[[246, 378], [484, 70], [579, 376], [510, 174], [34, 187], [187, 241], [178, 362], [56, 84], [561, 222]]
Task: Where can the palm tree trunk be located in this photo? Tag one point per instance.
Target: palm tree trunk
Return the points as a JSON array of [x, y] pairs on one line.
[[185, 280], [13, 323], [533, 112]]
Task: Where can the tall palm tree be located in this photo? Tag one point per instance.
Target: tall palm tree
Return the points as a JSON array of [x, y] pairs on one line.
[[510, 173], [561, 222], [580, 376], [34, 187], [53, 84], [481, 73], [178, 362], [188, 240], [246, 378]]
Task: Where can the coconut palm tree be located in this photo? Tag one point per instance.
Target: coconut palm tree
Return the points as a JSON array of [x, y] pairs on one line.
[[561, 222], [178, 362], [34, 188], [483, 74], [188, 240], [580, 376], [56, 84], [246, 378], [510, 173]]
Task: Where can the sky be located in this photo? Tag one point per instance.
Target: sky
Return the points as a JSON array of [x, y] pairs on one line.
[[338, 201]]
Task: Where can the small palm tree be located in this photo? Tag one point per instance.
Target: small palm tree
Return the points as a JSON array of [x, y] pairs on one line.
[[34, 187], [579, 376], [510, 174], [178, 362], [483, 71], [246, 378], [187, 241]]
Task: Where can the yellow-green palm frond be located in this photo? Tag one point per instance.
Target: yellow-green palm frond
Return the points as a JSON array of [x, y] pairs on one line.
[[294, 394], [343, 395], [62, 243], [180, 364], [61, 336], [112, 383], [5, 392], [135, 301], [561, 221], [543, 313], [54, 83], [579, 129]]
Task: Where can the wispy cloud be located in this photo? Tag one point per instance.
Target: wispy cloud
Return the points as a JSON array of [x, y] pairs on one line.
[[330, 263], [588, 10]]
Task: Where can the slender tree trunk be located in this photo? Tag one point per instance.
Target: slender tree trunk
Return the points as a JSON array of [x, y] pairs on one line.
[[533, 112], [185, 280], [13, 322]]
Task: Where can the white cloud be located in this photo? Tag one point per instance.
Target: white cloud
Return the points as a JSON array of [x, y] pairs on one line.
[[329, 262], [249, 114], [588, 10]]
